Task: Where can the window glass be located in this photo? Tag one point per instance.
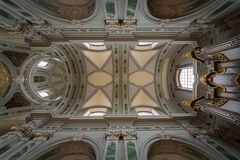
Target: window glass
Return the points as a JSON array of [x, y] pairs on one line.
[[144, 113], [42, 64], [96, 43], [43, 93], [186, 78], [145, 43], [97, 114]]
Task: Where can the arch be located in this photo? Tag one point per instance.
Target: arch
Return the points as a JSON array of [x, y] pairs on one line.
[[146, 146], [52, 144]]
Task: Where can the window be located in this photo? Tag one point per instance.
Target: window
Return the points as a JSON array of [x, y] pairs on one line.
[[97, 113], [43, 93], [144, 113], [38, 79], [42, 64], [145, 43], [186, 78], [96, 43]]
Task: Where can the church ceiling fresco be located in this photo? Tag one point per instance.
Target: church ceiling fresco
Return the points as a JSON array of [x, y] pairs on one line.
[[5, 80], [174, 9], [68, 9], [17, 58], [18, 100]]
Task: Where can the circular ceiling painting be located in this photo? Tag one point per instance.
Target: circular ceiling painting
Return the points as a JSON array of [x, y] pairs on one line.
[[68, 9], [5, 79], [174, 9]]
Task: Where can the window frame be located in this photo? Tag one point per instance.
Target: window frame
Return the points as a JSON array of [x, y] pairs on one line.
[[177, 77]]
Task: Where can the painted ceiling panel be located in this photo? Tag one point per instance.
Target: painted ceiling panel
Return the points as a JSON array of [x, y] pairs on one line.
[[132, 65], [109, 91], [89, 91], [174, 9], [142, 57], [132, 90], [98, 58], [99, 78], [141, 78], [67, 9], [143, 99], [99, 99]]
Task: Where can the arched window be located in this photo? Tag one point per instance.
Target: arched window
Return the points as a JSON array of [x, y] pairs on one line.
[[98, 113], [144, 113], [43, 93], [186, 78], [42, 64], [95, 45], [145, 43]]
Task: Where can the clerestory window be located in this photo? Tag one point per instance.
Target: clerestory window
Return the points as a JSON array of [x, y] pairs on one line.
[[186, 78], [144, 113], [97, 113]]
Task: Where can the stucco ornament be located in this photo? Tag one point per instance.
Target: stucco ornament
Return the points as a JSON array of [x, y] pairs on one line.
[[29, 132], [116, 134]]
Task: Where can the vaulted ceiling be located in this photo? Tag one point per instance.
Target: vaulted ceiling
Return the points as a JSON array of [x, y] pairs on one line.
[[113, 77], [113, 74]]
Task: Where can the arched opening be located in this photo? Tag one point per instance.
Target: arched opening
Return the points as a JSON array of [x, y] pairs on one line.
[[175, 150], [70, 150]]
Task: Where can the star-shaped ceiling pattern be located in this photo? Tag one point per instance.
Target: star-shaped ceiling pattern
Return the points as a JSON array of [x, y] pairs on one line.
[[120, 78]]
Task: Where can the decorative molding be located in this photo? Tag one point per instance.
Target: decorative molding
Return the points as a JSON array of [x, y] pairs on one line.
[[119, 24], [76, 23], [29, 132], [164, 136], [116, 134], [199, 24], [27, 28], [199, 134], [77, 137]]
